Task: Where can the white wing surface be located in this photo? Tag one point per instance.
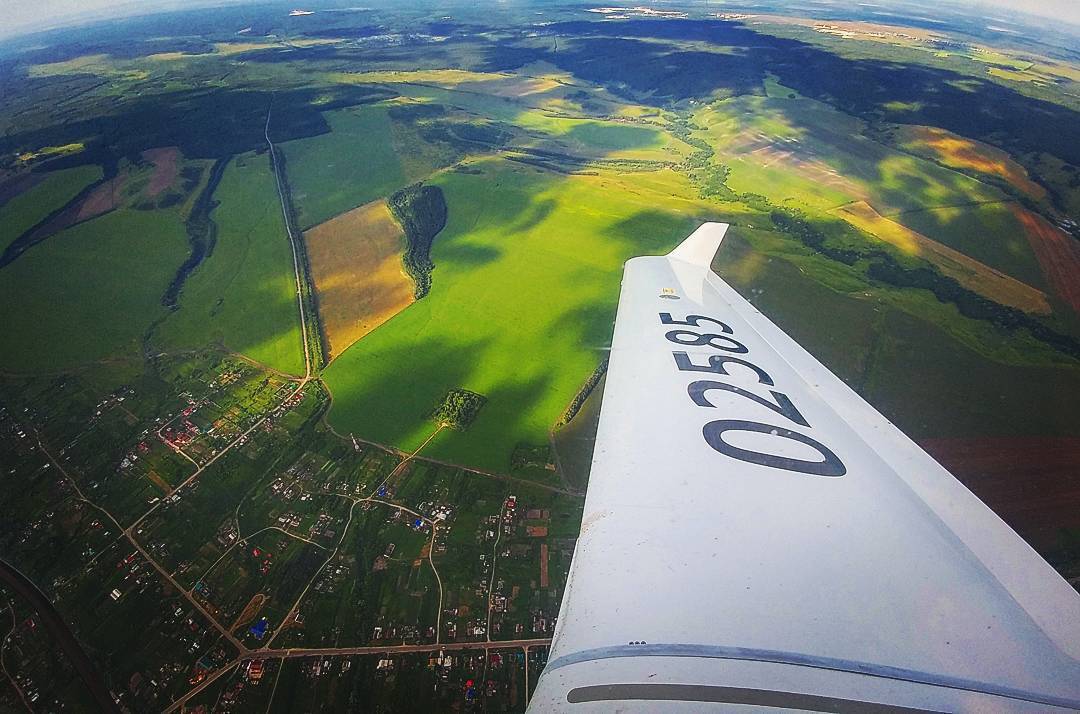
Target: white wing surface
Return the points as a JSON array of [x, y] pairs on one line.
[[755, 534]]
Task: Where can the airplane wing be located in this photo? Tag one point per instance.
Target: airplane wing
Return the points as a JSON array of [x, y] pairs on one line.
[[756, 534]]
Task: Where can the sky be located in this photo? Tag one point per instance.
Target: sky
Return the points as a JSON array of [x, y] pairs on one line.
[[20, 16]]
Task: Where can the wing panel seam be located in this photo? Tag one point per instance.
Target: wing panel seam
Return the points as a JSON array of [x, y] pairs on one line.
[[834, 664]]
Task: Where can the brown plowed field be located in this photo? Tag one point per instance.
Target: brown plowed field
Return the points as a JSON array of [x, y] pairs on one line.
[[1058, 255], [1032, 483], [101, 200], [166, 163], [356, 263]]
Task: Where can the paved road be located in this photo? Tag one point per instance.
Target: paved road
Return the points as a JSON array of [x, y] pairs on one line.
[[399, 649], [294, 242], [49, 617], [129, 532], [180, 703]]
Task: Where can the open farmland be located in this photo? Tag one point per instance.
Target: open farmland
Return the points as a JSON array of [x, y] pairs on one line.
[[1058, 255], [356, 264], [357, 162], [816, 155], [199, 492], [989, 233], [967, 271], [166, 161], [887, 345], [89, 292], [243, 295], [962, 153], [51, 192], [1029, 481], [131, 185], [915, 363], [544, 109], [520, 309]]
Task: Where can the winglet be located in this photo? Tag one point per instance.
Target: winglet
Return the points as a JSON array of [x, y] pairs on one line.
[[701, 246]]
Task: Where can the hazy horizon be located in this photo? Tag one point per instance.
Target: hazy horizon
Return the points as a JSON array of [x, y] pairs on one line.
[[28, 16]]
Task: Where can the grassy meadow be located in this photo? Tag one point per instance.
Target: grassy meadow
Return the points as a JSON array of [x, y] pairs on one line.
[[553, 178], [90, 292], [804, 152], [958, 152], [544, 119], [25, 210], [523, 296], [243, 295], [354, 164], [967, 271], [988, 232]]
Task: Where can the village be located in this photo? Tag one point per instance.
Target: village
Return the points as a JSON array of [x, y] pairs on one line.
[[198, 514]]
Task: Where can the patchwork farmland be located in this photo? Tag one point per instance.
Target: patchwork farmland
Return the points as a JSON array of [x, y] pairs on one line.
[[356, 264], [302, 310]]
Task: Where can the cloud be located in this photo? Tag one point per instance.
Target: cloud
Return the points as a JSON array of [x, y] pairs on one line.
[[1061, 10]]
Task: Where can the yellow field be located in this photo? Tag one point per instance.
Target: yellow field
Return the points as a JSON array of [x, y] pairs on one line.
[[962, 153], [440, 77], [967, 271], [50, 151], [512, 87], [101, 65], [855, 30], [356, 263], [1016, 75]]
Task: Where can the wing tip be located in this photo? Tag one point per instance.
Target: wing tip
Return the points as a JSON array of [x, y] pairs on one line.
[[700, 246]]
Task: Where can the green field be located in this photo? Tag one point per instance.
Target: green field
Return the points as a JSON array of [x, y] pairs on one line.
[[783, 186], [988, 232], [243, 295], [29, 208], [541, 128], [357, 162], [151, 353], [835, 323], [526, 279], [89, 292], [936, 387], [808, 154], [902, 350]]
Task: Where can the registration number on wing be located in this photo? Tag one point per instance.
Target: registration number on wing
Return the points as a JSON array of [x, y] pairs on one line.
[[757, 386]]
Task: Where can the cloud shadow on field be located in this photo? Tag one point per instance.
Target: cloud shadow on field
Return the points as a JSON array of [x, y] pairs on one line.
[[587, 323], [651, 231], [465, 255], [386, 393], [535, 214], [503, 423]]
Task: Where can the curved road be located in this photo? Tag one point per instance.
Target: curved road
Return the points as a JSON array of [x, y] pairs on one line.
[[60, 632]]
